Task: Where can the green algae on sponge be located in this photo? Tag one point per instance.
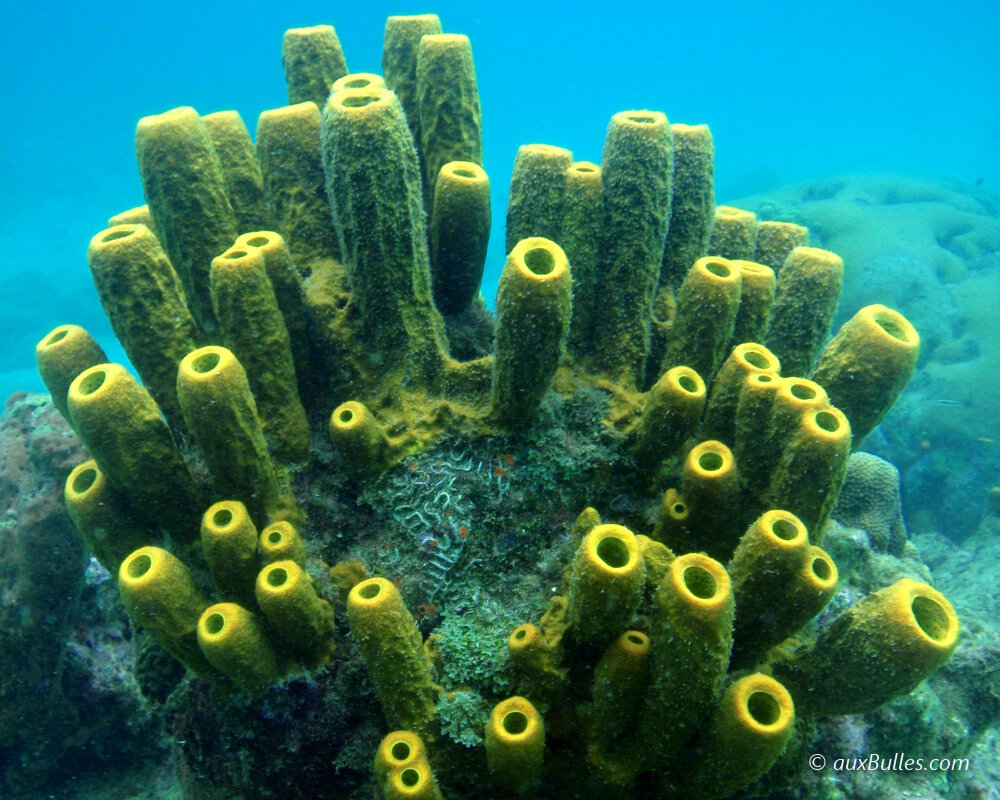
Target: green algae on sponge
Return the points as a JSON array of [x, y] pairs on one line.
[[159, 594], [537, 193], [606, 584], [804, 304], [670, 414], [620, 681], [61, 355], [450, 116], [391, 646], [459, 234], [879, 648], [121, 426], [693, 204], [185, 188], [690, 637], [291, 162], [375, 194], [867, 364], [515, 744], [146, 305], [253, 329], [707, 304], [295, 612], [780, 582], [534, 304], [747, 733], [775, 240], [637, 165], [734, 234], [312, 60], [234, 642], [743, 360], [359, 438], [108, 525], [229, 543], [240, 168], [757, 287], [752, 445], [221, 416], [402, 769], [580, 238]]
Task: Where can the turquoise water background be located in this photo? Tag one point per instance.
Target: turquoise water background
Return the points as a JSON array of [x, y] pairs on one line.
[[792, 91]]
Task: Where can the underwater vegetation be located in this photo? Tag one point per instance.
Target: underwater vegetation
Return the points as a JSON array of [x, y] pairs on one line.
[[576, 549]]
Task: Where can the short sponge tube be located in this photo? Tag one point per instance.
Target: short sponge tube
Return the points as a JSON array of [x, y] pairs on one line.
[[515, 744]]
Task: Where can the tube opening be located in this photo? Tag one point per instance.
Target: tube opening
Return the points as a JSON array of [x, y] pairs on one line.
[[400, 751], [931, 617], [636, 638], [206, 362], [93, 382], [515, 722], [802, 391], [277, 577], [718, 268], [259, 241], [358, 100], [827, 421], [370, 591], [520, 633], [57, 336], [409, 777], [345, 416], [234, 254], [756, 359], [710, 461], [584, 168], [613, 552], [678, 509], [784, 529], [274, 537], [688, 384], [119, 234], [84, 479], [539, 261], [222, 517], [215, 622], [822, 568], [464, 173], [356, 83], [700, 582], [139, 566], [764, 708], [891, 325], [642, 119]]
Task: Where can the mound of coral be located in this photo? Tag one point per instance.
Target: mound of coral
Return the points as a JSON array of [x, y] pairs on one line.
[[575, 550]]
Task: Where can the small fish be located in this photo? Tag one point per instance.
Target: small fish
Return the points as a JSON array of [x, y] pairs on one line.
[[949, 403]]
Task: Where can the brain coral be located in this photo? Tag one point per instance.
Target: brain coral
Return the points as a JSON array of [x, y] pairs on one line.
[[617, 460]]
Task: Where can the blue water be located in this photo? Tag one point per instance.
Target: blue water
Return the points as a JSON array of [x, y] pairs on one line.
[[792, 91]]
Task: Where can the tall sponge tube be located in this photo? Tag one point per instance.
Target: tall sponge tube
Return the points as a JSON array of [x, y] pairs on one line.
[[534, 303], [515, 744], [391, 646]]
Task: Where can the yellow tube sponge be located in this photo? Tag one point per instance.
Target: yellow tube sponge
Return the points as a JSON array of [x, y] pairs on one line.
[[693, 204], [124, 432], [879, 648], [744, 360], [61, 355], [281, 542], [185, 188], [637, 165], [295, 612], [707, 303], [133, 216], [402, 769], [391, 646], [534, 300], [146, 305], [757, 287], [752, 435], [580, 238], [749, 730], [606, 584], [690, 634], [240, 168], [810, 472], [234, 642], [775, 240], [804, 303], [108, 525], [450, 116], [253, 329], [159, 593], [537, 194], [515, 744], [359, 438], [670, 414], [867, 364], [291, 163], [671, 523], [710, 486], [229, 542], [398, 749], [221, 416], [734, 233], [620, 681], [780, 582], [459, 234], [313, 60]]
